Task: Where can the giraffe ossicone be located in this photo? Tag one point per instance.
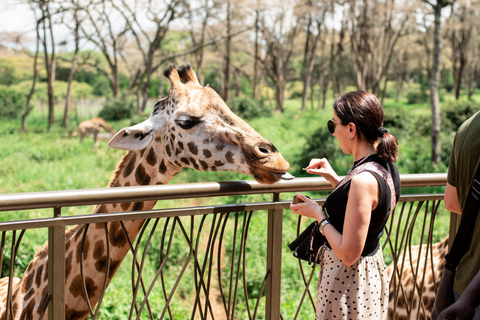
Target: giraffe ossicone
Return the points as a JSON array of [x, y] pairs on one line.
[[190, 127]]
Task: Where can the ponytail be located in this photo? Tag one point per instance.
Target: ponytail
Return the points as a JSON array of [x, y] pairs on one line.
[[387, 148]]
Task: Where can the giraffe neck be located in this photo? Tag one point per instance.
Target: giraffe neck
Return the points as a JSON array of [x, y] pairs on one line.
[[29, 296]]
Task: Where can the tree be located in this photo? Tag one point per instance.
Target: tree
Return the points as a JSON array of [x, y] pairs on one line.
[[34, 80], [461, 25], [435, 76], [279, 48], [77, 20], [313, 16], [375, 28]]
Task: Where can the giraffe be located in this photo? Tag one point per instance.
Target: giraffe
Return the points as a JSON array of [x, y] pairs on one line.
[[416, 274], [191, 127], [93, 126]]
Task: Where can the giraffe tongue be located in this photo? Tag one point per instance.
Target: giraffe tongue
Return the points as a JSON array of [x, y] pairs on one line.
[[285, 176]]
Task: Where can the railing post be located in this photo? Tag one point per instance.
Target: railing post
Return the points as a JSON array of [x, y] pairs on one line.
[[56, 270], [274, 261]]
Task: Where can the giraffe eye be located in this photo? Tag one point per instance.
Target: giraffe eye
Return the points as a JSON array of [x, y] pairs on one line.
[[186, 122]]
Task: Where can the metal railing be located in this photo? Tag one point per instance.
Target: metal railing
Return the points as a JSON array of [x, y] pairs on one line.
[[215, 240]]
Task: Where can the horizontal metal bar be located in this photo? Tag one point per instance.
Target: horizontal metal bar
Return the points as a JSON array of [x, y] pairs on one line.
[[68, 198], [162, 213]]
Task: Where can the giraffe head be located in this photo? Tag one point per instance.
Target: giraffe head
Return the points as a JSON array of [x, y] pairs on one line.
[[193, 127]]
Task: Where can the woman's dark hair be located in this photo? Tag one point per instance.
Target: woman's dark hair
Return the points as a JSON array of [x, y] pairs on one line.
[[365, 111]]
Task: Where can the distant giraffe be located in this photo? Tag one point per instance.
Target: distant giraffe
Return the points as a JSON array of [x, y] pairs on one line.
[[191, 127], [93, 126], [414, 275]]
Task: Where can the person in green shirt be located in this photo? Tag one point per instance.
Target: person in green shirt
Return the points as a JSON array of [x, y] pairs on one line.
[[464, 163]]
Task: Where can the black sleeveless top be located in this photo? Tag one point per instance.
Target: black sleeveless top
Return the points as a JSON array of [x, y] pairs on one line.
[[336, 205]]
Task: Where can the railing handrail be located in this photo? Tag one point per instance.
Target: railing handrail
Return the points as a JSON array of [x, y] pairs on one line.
[[79, 197]]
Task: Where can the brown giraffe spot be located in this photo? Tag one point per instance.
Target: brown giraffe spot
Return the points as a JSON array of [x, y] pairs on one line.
[[27, 313], [141, 176], [151, 157], [214, 168], [207, 153], [79, 233], [130, 166], [113, 267], [185, 160], [229, 157], [180, 145], [168, 151], [29, 294], [137, 206], [193, 148], [125, 205], [117, 237], [85, 249], [218, 163], [38, 276], [204, 165], [178, 151], [194, 163], [219, 147], [98, 249], [68, 264], [102, 208], [158, 139], [76, 287], [15, 309], [28, 281], [162, 168]]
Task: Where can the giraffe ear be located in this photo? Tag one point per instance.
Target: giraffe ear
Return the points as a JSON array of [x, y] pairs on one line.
[[133, 138]]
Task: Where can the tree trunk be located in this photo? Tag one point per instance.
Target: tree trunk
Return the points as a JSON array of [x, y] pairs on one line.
[[71, 74], [34, 81], [434, 82], [256, 92], [228, 40], [305, 64]]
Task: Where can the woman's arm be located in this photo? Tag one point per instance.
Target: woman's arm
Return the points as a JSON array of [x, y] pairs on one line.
[[362, 199]]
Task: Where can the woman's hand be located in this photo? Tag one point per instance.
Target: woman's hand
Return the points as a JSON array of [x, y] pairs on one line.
[[308, 208], [323, 168]]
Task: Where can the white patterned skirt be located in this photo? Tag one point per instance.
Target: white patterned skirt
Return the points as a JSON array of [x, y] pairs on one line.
[[356, 292]]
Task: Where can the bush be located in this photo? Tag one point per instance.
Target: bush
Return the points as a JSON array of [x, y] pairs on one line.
[[248, 108], [456, 112], [12, 101], [417, 97], [118, 109]]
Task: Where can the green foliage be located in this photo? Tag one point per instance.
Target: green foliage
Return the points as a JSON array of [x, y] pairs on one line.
[[101, 86], [320, 144], [248, 108], [417, 96], [12, 102], [456, 112], [117, 109]]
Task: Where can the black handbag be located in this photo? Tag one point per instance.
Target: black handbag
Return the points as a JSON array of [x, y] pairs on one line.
[[306, 245], [460, 246]]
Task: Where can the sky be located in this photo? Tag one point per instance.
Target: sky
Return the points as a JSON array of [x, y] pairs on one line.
[[16, 17]]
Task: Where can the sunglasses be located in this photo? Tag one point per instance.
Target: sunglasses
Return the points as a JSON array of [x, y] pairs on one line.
[[331, 126]]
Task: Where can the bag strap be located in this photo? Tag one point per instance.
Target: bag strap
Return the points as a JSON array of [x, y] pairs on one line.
[[374, 167], [462, 240]]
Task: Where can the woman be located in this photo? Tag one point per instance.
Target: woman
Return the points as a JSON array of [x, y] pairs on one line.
[[353, 281]]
